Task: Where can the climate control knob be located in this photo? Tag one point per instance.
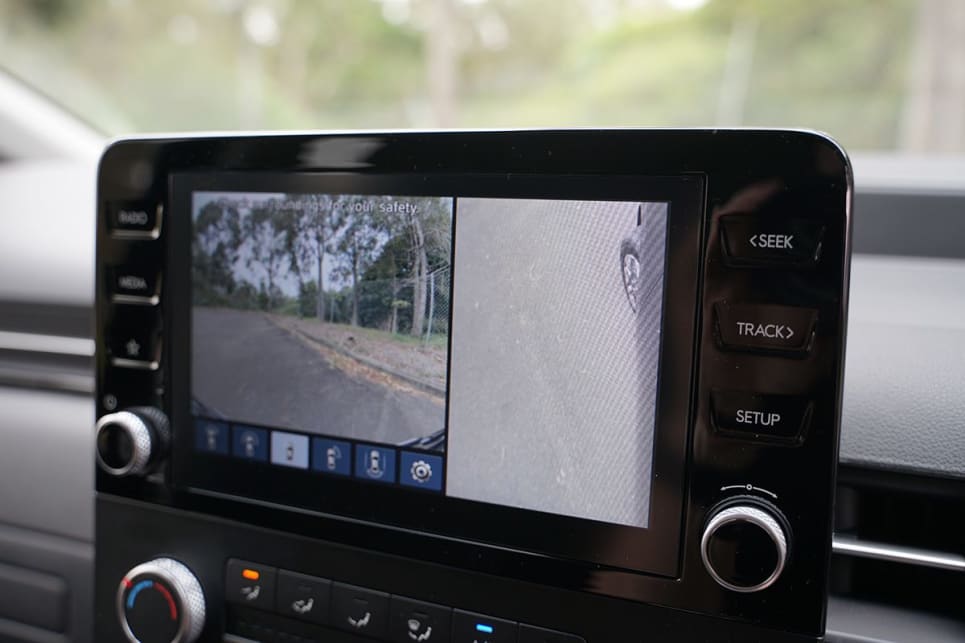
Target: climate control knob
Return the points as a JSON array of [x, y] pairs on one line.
[[131, 441], [745, 546], [161, 601]]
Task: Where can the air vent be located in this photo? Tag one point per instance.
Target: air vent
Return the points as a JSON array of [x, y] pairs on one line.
[[899, 539]]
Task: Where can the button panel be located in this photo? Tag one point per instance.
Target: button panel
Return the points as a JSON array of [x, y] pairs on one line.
[[760, 416], [750, 241], [765, 328], [317, 603]]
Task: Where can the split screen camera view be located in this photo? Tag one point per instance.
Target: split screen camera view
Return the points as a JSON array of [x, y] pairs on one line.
[[498, 350]]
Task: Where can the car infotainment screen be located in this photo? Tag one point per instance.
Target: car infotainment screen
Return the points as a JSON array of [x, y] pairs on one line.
[[498, 350]]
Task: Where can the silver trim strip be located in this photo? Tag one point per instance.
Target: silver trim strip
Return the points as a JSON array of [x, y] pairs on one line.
[[136, 300], [851, 546], [120, 362], [54, 344]]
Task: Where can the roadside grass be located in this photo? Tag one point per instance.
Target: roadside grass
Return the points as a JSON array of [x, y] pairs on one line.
[[436, 340]]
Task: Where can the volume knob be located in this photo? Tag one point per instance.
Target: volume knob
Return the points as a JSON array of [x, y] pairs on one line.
[[161, 601], [129, 442], [745, 547]]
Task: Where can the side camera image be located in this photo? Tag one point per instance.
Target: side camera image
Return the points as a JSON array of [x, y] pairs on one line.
[[326, 314], [553, 387]]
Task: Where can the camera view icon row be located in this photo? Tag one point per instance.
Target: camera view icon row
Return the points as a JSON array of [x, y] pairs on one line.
[[373, 462]]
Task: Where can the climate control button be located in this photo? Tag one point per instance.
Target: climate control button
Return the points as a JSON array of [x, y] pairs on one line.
[[161, 601]]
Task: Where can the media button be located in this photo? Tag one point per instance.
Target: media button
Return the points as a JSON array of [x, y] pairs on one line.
[[760, 416], [211, 436], [303, 597], [141, 220], [478, 628], [376, 463], [415, 621], [359, 610], [250, 584], [332, 456], [421, 470], [289, 449], [249, 443], [134, 285], [759, 241], [765, 328]]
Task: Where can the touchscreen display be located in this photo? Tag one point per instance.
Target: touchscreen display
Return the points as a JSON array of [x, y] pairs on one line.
[[503, 351]]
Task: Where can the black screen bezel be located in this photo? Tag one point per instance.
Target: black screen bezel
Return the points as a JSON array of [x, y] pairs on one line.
[[654, 550]]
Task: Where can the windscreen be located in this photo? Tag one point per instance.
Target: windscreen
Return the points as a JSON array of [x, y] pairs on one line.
[[503, 351]]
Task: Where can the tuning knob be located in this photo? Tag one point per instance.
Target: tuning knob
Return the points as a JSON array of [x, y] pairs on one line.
[[745, 546], [161, 601], [130, 442]]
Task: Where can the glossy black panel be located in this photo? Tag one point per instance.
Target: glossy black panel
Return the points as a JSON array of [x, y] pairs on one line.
[[777, 177]]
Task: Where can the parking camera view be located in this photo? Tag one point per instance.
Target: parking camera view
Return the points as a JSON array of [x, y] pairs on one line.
[[324, 314], [555, 355]]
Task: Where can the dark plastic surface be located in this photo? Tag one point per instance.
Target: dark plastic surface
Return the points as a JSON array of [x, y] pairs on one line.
[[773, 175]]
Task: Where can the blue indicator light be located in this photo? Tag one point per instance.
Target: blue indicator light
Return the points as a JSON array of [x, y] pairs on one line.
[[485, 629]]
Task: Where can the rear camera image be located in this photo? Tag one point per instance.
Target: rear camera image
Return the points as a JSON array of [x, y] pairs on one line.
[[325, 314]]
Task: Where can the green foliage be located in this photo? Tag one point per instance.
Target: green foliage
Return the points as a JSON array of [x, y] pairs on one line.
[[186, 65]]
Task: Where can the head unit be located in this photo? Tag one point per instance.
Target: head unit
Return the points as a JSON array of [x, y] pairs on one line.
[[442, 384]]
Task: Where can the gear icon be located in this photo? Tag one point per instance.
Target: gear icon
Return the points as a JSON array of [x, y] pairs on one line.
[[420, 471]]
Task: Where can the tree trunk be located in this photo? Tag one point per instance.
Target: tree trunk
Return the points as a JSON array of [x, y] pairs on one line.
[[320, 303], [934, 114], [421, 270], [441, 61], [355, 286], [394, 325]]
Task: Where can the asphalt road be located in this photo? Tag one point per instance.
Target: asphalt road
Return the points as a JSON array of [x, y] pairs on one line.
[[250, 370]]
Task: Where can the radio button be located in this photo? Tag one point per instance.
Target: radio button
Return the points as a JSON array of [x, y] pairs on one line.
[[757, 241], [250, 584], [478, 628], [360, 611], [417, 621], [135, 220], [303, 597], [759, 416], [765, 328], [134, 285]]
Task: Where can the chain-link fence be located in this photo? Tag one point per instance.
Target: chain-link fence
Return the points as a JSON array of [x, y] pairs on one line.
[[417, 308]]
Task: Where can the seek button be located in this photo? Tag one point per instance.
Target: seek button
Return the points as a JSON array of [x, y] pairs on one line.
[[757, 241]]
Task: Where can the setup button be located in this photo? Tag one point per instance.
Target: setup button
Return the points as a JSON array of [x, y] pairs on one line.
[[780, 329], [760, 416]]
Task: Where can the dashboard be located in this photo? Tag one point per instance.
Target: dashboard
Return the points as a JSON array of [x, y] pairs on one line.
[[908, 304]]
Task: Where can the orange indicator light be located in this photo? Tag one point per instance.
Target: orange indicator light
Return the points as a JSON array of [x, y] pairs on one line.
[[251, 574]]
